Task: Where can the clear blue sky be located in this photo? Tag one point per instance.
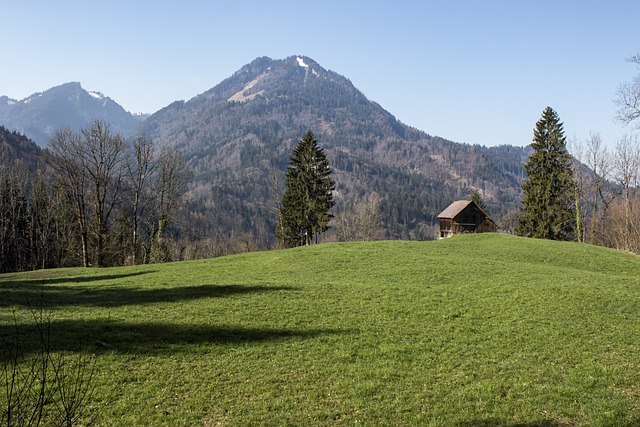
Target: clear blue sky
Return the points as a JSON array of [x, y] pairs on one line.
[[479, 72]]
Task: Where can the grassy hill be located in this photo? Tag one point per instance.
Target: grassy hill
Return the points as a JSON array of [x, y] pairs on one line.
[[478, 330]]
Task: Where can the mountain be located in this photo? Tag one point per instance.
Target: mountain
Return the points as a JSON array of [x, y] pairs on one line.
[[61, 107], [237, 138], [235, 134]]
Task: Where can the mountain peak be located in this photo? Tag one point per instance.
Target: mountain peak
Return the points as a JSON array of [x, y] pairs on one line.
[[69, 85], [301, 62], [235, 133], [310, 95], [5, 100], [68, 105]]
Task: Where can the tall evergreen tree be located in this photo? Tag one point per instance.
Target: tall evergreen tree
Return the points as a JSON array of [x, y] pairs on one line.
[[308, 197], [548, 201]]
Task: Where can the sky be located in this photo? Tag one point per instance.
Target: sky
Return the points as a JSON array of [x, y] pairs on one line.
[[477, 72]]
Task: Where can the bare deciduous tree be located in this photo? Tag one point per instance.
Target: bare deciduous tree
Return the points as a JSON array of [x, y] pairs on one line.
[[91, 166], [171, 184], [105, 160], [41, 386], [598, 161], [363, 222], [628, 97], [141, 166], [69, 162], [627, 162], [578, 153], [276, 189]]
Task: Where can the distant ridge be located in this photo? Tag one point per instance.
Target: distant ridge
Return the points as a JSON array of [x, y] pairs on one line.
[[61, 107]]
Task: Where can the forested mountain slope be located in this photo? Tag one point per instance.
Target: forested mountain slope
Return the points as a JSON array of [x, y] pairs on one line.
[[237, 133], [17, 149]]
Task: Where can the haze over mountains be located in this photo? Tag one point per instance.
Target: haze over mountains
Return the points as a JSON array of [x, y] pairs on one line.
[[237, 133]]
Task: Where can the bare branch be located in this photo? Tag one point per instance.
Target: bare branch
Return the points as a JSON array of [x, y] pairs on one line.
[[628, 101], [635, 59], [628, 97]]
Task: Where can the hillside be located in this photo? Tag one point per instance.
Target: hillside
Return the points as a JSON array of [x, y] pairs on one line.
[[477, 330], [238, 132], [17, 149]]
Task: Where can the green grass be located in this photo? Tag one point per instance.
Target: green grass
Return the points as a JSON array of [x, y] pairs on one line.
[[483, 330]]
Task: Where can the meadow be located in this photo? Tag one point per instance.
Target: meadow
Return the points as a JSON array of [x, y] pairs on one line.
[[477, 330]]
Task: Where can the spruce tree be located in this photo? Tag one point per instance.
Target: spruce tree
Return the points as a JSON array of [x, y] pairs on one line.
[[308, 197], [478, 200], [547, 210]]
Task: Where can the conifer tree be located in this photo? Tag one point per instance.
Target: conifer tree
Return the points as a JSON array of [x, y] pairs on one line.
[[478, 200], [308, 198], [547, 210]]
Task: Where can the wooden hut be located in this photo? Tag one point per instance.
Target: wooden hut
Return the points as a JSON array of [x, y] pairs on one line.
[[464, 216]]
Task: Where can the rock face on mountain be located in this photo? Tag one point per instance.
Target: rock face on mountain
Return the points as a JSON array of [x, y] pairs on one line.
[[61, 107], [237, 132]]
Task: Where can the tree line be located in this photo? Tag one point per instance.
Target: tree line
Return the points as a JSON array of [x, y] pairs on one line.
[[94, 200], [97, 200], [606, 202], [580, 190]]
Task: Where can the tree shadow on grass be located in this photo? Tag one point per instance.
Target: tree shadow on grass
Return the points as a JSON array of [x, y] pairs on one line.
[[148, 338], [13, 284], [115, 296]]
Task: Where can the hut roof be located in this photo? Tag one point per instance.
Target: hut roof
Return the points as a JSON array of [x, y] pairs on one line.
[[454, 209], [458, 206]]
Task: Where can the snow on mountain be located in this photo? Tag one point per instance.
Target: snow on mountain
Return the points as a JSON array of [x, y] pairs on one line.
[[96, 95], [31, 98]]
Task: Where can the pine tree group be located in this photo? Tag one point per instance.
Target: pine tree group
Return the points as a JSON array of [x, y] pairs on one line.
[[548, 201], [304, 212]]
